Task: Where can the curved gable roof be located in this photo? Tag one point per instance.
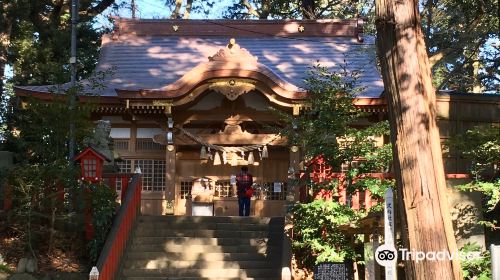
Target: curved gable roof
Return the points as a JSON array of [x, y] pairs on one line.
[[163, 55]]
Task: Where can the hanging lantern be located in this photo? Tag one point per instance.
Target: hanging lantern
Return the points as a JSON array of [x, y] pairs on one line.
[[264, 152], [234, 159], [224, 157], [250, 160], [203, 153], [217, 159]]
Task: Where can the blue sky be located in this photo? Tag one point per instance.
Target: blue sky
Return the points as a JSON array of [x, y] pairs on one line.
[[156, 9]]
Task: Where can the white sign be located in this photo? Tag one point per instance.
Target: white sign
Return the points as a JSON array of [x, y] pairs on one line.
[[277, 186], [495, 261], [390, 267], [232, 180]]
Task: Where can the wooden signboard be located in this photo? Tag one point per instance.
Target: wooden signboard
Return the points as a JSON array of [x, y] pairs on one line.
[[333, 271]]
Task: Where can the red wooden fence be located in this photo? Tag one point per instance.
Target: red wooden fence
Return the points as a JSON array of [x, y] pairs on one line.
[[359, 199]]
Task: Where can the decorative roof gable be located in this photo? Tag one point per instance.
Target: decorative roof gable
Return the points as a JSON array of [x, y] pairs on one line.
[[233, 53]]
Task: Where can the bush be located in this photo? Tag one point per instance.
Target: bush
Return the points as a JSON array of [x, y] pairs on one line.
[[103, 201]]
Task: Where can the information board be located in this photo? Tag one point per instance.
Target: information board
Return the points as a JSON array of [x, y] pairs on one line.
[[333, 271]]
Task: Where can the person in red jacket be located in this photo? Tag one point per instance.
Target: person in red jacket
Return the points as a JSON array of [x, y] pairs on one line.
[[244, 182]]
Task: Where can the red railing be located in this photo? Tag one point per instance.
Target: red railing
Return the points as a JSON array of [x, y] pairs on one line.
[[111, 178], [123, 224], [359, 199]]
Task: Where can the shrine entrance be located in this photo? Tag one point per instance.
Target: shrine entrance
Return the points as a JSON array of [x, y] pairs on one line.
[[212, 140], [221, 115]]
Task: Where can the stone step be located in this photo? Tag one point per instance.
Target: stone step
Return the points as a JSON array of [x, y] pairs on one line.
[[211, 226], [204, 248], [212, 256], [207, 273], [209, 219], [198, 278], [263, 248], [151, 232], [164, 263], [229, 241]]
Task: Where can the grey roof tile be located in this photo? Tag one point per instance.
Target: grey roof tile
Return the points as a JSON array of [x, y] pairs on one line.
[[154, 62]]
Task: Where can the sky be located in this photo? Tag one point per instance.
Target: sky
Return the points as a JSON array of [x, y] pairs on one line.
[[156, 9]]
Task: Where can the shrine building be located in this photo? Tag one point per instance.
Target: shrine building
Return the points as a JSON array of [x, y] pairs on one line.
[[191, 101]]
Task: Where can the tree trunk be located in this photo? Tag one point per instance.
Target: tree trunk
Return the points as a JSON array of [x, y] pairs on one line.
[[415, 138], [308, 9]]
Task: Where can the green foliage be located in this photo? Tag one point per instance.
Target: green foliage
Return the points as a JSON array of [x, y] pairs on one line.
[[42, 133], [103, 201], [39, 141], [317, 237], [490, 189], [333, 129], [295, 9], [39, 38], [458, 34], [480, 145], [34, 195], [330, 127], [6, 269], [478, 268]]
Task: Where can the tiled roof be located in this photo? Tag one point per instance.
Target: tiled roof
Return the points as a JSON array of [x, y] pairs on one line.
[[143, 60]]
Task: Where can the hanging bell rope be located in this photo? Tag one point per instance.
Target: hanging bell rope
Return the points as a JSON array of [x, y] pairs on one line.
[[228, 149]]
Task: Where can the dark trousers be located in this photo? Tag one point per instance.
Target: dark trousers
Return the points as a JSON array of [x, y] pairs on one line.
[[244, 206]]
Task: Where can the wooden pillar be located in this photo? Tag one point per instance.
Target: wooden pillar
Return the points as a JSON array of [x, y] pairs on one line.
[[170, 191], [133, 137], [294, 163]]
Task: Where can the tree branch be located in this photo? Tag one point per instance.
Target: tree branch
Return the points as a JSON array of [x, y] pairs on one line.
[[251, 10], [187, 11], [177, 11], [99, 8], [464, 38]]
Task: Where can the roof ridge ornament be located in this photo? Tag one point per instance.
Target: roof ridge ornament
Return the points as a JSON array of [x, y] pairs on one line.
[[233, 52]]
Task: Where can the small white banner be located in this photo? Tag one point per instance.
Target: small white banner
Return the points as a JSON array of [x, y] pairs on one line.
[[390, 267], [277, 186]]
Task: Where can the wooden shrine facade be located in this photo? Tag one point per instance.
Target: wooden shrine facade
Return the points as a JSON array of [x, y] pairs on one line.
[[193, 101]]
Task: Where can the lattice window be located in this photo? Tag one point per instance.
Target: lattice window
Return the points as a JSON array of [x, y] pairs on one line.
[[121, 144], [90, 168], [186, 187], [223, 189], [153, 174], [148, 144], [124, 166], [267, 191]]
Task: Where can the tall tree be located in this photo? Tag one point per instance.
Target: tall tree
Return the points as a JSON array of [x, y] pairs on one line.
[[415, 138], [294, 9], [189, 7], [459, 35], [37, 45]]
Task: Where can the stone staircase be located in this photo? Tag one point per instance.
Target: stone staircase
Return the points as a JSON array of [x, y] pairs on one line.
[[185, 247]]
